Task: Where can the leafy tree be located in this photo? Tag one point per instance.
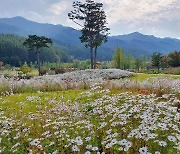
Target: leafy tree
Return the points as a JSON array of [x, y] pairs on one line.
[[35, 43], [122, 59], [164, 61], [116, 59], [128, 62], [174, 58], [94, 31], [156, 60], [138, 63], [144, 62]]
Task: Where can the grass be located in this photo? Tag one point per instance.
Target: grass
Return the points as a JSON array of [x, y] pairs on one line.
[[13, 103], [143, 76], [175, 70], [10, 72]]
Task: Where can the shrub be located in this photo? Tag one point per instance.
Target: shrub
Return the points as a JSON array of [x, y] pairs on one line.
[[43, 71], [175, 71], [25, 69], [59, 70]]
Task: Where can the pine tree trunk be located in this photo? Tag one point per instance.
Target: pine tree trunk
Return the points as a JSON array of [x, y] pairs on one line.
[[38, 61], [91, 55], [95, 56]]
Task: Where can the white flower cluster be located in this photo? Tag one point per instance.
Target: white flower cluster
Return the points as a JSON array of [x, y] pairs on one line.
[[104, 123]]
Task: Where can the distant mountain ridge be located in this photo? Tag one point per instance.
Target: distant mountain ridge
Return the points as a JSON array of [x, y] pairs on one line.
[[67, 39]]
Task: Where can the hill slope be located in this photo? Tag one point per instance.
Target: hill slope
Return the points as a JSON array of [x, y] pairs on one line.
[[68, 39], [13, 52]]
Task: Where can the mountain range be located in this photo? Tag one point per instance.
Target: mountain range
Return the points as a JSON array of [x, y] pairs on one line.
[[67, 39]]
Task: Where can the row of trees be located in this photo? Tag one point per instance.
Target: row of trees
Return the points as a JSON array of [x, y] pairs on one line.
[[170, 60], [122, 61]]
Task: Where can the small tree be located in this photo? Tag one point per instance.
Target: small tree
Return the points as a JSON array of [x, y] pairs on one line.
[[119, 59], [137, 64], [36, 43], [25, 69], [156, 60], [122, 59], [116, 59], [174, 58], [164, 61], [144, 62]]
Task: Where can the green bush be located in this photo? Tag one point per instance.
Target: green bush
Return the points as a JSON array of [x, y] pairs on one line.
[[25, 69]]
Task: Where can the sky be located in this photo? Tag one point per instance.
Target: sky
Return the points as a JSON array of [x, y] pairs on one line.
[[160, 18]]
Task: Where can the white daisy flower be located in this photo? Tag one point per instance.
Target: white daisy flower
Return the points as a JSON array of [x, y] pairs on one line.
[[143, 150]]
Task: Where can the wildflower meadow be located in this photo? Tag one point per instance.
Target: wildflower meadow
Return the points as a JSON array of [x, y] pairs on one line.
[[100, 116]]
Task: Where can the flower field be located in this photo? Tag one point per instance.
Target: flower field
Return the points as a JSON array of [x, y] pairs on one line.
[[108, 116]]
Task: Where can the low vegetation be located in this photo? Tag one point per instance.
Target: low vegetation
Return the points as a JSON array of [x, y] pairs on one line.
[[96, 120]]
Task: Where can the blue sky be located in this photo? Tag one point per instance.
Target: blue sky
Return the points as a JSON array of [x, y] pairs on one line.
[[153, 17]]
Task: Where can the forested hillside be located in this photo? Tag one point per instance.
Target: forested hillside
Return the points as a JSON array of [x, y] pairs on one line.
[[67, 39], [14, 53]]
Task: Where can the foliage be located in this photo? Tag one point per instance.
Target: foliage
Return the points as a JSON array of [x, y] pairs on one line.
[[116, 59], [138, 63], [164, 61], [144, 62], [36, 43], [94, 30], [156, 60], [172, 70], [119, 59], [25, 69], [59, 70], [13, 52], [174, 58], [43, 71]]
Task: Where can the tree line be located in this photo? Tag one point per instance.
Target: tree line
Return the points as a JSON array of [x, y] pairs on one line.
[[14, 53], [164, 61], [157, 60]]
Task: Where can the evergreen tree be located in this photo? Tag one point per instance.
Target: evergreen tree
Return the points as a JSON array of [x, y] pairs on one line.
[[94, 31], [156, 60], [122, 59], [174, 58], [144, 62], [36, 43], [164, 61], [137, 64], [116, 59]]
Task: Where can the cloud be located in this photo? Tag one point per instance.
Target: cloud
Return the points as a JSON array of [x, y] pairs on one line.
[[132, 10], [158, 17], [60, 7]]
